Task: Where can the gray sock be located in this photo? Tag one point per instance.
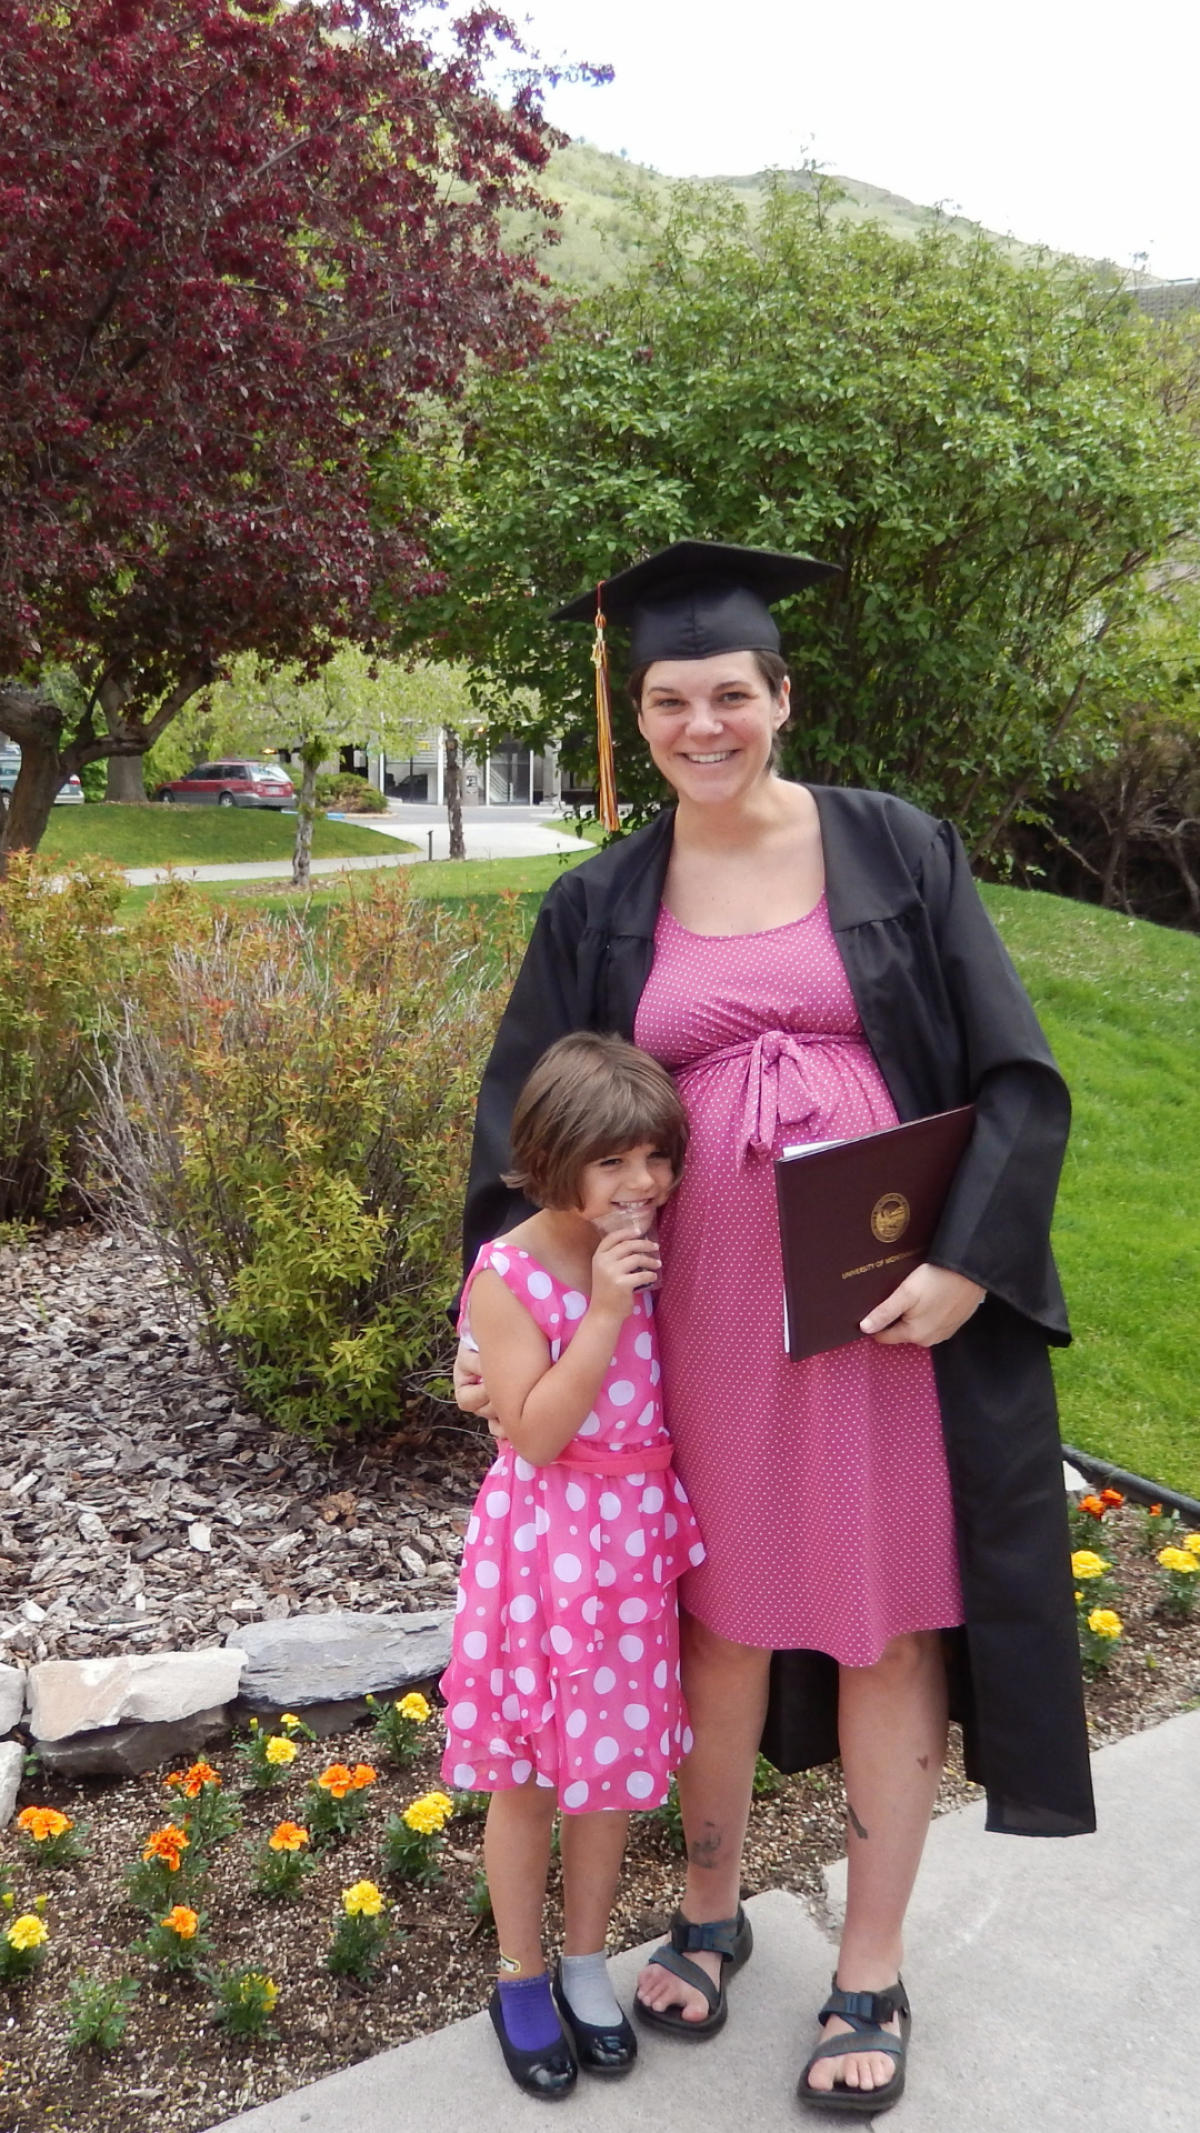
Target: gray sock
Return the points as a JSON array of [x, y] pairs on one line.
[[588, 1992]]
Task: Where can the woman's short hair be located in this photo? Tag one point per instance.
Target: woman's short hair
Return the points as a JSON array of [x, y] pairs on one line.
[[589, 1096], [772, 666]]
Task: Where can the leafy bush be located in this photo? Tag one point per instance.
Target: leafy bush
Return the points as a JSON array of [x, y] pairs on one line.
[[351, 794], [291, 1114], [58, 957]]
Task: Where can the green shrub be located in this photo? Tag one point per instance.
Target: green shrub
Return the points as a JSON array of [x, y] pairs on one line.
[[350, 794], [292, 1114], [58, 955]]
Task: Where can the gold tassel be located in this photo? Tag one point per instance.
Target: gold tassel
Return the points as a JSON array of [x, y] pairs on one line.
[[609, 817]]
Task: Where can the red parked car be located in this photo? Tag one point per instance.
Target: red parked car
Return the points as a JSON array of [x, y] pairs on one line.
[[233, 784]]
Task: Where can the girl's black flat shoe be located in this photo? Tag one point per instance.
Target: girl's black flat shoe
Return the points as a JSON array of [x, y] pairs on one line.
[[598, 2050], [549, 2073]]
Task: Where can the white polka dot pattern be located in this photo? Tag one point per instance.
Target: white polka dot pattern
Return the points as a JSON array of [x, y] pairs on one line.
[[821, 1487], [558, 1560]]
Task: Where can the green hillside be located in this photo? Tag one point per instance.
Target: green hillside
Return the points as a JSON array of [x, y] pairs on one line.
[[155, 836], [1120, 1001], [598, 228]]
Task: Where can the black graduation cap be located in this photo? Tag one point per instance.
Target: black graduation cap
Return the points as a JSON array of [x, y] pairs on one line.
[[698, 598]]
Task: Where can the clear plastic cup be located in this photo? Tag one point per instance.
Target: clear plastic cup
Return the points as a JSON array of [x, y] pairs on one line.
[[621, 1224]]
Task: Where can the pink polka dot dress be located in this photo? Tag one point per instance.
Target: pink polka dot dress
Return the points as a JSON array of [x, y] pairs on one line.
[[821, 1486], [565, 1661]]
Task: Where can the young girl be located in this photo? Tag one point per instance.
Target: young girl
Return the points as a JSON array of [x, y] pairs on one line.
[[563, 1688]]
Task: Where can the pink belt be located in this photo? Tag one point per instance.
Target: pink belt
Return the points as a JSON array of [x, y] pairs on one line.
[[778, 1092], [651, 1459]]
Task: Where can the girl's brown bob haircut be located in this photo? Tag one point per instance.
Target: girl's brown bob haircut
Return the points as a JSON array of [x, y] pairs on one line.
[[590, 1096]]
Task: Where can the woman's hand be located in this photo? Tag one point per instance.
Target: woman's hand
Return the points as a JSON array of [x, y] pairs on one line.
[[930, 1304], [621, 1265], [469, 1389]]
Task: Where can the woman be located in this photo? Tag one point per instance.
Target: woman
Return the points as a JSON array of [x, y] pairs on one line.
[[889, 1519]]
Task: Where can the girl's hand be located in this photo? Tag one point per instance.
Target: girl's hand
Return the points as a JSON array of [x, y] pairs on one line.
[[621, 1265], [930, 1304], [469, 1389]]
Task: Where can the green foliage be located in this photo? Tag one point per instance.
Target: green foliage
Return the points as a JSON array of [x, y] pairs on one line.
[[176, 1943], [279, 1876], [479, 1900], [244, 1999], [295, 1122], [991, 452], [267, 1756], [669, 1818], [346, 789], [399, 1726], [360, 1938], [767, 1779], [99, 2010], [58, 957]]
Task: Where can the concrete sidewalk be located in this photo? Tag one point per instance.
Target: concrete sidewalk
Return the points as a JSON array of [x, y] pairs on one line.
[[1054, 1987], [505, 840]]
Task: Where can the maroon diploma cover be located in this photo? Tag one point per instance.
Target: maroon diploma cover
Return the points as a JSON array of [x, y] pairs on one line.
[[855, 1217]]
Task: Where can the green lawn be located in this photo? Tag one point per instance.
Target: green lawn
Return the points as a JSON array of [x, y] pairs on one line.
[[1121, 1004], [158, 836], [476, 881]]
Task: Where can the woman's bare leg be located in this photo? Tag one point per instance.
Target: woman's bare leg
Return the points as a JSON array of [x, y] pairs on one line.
[[593, 1847], [516, 1858], [726, 1689], [892, 1725]]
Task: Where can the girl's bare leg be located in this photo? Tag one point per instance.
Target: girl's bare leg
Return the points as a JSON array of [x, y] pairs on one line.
[[592, 1847], [726, 1689], [516, 1858], [892, 1724]]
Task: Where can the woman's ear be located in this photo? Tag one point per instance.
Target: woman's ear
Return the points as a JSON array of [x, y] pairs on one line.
[[783, 707]]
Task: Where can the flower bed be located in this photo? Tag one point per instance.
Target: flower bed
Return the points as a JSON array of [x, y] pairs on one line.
[[351, 1850]]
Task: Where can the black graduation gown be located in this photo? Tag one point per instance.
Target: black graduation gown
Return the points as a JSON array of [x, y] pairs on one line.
[[949, 1023]]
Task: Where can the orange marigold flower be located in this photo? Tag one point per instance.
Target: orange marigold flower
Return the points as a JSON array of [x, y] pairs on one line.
[[1093, 1505], [1156, 1510], [338, 1779], [288, 1837], [167, 1844], [183, 1921], [1113, 1498], [363, 1774], [42, 1822], [199, 1775]]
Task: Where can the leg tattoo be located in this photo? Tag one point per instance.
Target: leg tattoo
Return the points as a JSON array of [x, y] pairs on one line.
[[854, 1822]]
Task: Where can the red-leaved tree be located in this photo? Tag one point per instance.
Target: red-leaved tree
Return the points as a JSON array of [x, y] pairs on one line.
[[243, 246]]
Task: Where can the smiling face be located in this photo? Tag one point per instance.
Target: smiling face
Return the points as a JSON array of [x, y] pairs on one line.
[[710, 724], [623, 1191]]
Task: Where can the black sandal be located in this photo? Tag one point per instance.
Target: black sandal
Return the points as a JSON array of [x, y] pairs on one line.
[[731, 1939], [866, 2012]]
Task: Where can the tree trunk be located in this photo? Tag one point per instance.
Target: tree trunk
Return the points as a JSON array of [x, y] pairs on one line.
[[31, 800], [311, 755], [458, 849], [126, 779]]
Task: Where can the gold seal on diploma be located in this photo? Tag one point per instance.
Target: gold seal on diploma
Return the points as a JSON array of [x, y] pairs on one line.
[[890, 1217]]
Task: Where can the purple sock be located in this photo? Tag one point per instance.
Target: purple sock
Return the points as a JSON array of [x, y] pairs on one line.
[[530, 2016]]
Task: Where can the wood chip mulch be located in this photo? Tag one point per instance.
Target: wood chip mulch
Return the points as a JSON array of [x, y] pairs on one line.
[[84, 1397]]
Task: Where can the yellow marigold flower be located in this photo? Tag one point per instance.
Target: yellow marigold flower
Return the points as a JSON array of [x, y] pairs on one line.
[[280, 1750], [1103, 1622], [255, 1980], [1178, 1559], [415, 1707], [42, 1822], [338, 1779], [429, 1814], [289, 1719], [183, 1921], [362, 1901], [362, 1774], [1086, 1564], [27, 1932], [167, 1844], [1191, 1541], [288, 1837]]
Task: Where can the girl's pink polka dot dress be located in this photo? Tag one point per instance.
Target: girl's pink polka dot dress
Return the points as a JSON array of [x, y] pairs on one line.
[[565, 1662]]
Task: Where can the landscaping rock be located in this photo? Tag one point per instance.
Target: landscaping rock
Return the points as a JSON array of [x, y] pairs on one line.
[[127, 1751], [333, 1657], [12, 1697], [69, 1696], [12, 1764]]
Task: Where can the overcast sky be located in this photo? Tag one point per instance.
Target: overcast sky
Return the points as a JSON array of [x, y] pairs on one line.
[[1067, 123]]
